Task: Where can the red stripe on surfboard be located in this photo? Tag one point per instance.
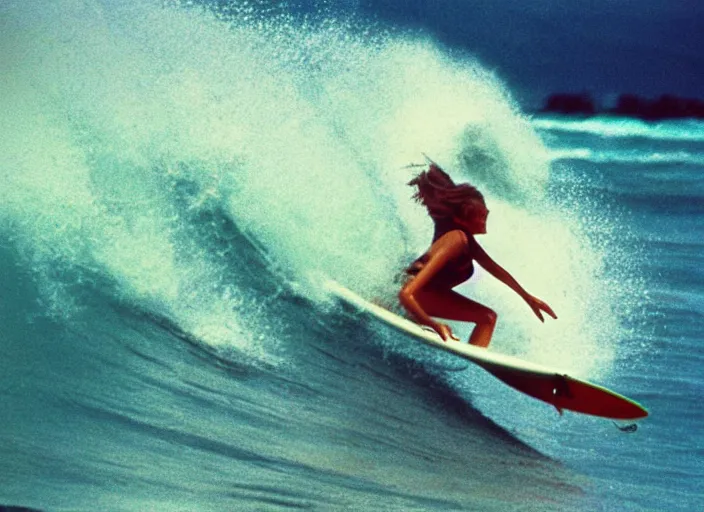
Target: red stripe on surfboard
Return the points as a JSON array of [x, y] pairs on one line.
[[564, 392]]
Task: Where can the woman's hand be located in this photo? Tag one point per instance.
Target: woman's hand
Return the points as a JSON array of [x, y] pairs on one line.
[[445, 332], [538, 306]]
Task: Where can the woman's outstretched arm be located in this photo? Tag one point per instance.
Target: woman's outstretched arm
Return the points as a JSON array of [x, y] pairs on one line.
[[537, 305]]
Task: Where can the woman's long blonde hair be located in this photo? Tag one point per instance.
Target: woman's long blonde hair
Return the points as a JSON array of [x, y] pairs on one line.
[[442, 197]]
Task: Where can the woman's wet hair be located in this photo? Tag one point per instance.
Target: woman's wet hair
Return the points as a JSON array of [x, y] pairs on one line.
[[442, 197]]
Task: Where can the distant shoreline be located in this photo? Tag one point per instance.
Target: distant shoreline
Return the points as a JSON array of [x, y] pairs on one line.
[[662, 108]]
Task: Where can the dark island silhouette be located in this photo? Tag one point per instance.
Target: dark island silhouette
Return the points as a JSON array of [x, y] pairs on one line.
[[627, 105]]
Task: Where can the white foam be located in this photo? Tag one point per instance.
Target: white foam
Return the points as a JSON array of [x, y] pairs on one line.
[[299, 132]]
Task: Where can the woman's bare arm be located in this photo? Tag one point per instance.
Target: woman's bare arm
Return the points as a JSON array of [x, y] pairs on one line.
[[537, 305]]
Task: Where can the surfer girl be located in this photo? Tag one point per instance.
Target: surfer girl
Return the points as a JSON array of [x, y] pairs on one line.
[[459, 213]]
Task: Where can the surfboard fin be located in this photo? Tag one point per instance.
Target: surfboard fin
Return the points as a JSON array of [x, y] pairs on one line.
[[561, 389]]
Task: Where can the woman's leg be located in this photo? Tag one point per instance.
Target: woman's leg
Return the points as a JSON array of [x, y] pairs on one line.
[[453, 306]]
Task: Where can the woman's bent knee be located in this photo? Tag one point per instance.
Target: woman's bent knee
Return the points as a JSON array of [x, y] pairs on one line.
[[490, 317]]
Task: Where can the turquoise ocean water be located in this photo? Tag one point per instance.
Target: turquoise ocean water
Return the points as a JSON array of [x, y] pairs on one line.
[[176, 184]]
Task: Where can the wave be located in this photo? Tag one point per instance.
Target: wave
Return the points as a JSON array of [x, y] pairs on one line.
[[140, 133], [176, 182], [351, 417], [629, 156], [207, 171], [623, 128]]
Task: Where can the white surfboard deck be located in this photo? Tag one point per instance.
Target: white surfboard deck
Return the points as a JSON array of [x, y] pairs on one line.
[[550, 385]]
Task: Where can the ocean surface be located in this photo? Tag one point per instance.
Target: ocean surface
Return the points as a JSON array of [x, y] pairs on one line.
[[175, 185]]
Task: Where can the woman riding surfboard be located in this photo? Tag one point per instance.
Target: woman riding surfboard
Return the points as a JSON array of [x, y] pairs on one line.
[[459, 213]]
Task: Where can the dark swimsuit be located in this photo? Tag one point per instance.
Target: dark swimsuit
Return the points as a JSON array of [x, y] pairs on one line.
[[454, 272]]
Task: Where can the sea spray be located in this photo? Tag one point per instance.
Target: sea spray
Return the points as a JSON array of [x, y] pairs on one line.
[[131, 123]]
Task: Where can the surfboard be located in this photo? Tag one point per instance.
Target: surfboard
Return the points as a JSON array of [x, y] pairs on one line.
[[550, 385]]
